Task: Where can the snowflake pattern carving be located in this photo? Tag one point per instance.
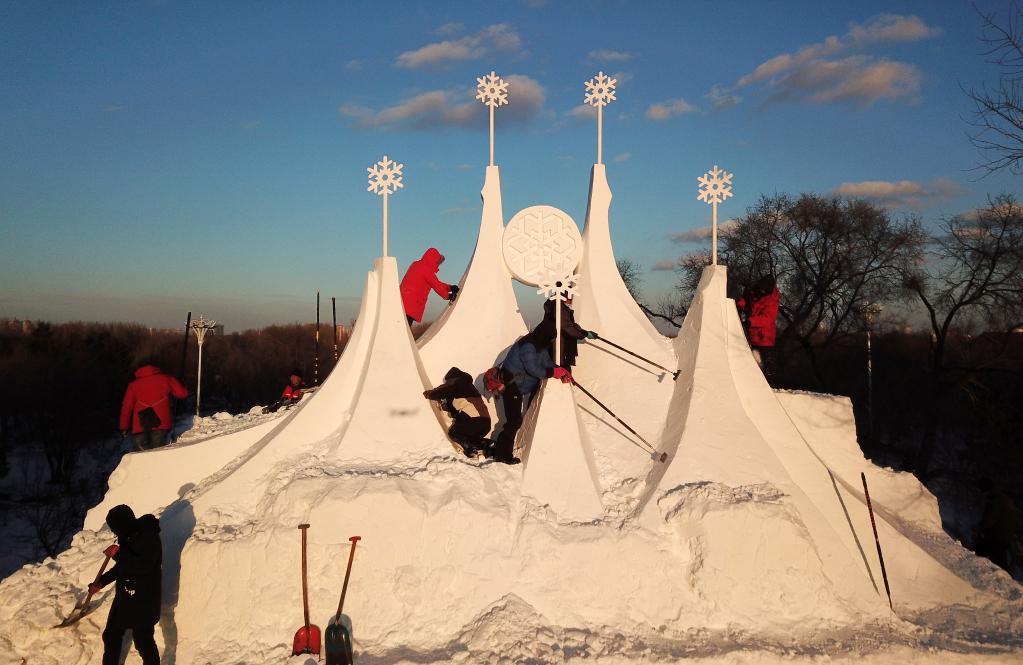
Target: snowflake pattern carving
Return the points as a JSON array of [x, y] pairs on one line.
[[715, 185], [540, 241]]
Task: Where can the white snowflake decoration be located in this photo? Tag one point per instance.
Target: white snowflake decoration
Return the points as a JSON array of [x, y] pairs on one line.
[[385, 177], [491, 89], [600, 90], [558, 288], [715, 185]]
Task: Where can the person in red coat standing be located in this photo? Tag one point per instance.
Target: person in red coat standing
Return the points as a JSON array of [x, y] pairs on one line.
[[420, 277], [146, 408], [760, 304]]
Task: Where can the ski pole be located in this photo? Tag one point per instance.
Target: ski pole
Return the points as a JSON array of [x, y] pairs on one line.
[[880, 557], [674, 374], [344, 587], [663, 457]]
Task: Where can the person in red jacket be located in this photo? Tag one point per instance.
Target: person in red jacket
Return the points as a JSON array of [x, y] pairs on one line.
[[146, 408], [760, 304], [420, 277]]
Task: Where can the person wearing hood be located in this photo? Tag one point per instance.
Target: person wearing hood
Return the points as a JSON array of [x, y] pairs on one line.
[[517, 379], [146, 407], [138, 559], [420, 277], [760, 304], [464, 403]]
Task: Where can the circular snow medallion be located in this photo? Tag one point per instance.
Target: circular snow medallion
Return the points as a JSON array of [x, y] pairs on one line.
[[541, 241]]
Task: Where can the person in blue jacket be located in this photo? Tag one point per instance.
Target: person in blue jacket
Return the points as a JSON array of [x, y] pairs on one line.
[[517, 379]]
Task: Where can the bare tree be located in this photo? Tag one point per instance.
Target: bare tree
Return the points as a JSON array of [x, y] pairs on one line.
[[631, 275], [831, 257], [974, 278], [997, 119]]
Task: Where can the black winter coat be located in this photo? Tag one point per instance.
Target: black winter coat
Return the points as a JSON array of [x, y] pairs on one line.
[[138, 572], [459, 396]]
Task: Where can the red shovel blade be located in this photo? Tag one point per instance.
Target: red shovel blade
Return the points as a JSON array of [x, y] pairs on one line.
[[307, 641]]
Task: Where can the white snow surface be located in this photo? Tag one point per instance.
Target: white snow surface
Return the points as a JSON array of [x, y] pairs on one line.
[[750, 545]]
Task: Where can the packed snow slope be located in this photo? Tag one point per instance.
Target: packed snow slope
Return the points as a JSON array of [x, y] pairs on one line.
[[751, 543]]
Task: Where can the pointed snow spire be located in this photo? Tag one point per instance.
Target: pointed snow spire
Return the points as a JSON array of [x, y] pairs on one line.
[[475, 331]]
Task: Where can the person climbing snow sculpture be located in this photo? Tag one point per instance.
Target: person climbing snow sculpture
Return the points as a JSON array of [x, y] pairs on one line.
[[760, 304], [138, 557], [295, 388], [571, 332], [516, 380], [420, 277], [145, 409], [464, 403]]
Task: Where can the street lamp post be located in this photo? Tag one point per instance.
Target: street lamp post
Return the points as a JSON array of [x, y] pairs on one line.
[[200, 327]]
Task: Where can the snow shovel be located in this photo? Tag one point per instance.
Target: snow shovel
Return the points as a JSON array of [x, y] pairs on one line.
[[653, 451], [674, 374], [337, 640], [307, 639], [73, 618]]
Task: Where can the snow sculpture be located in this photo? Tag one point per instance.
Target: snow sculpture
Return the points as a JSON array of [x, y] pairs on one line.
[[604, 304], [542, 247], [600, 91], [384, 180], [715, 187], [486, 310]]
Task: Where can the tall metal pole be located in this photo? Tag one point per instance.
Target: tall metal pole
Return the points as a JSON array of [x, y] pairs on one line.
[[870, 314], [316, 353], [200, 327], [333, 309]]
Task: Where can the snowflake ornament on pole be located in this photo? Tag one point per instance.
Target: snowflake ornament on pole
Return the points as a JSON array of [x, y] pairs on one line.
[[492, 90], [600, 91], [200, 327], [558, 289], [385, 179], [715, 187]]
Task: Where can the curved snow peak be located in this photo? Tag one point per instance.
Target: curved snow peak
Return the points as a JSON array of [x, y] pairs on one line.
[[558, 469], [475, 331], [730, 428], [602, 302]]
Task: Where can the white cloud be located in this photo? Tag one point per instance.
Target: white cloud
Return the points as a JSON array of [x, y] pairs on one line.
[[114, 108], [607, 55], [354, 65], [497, 37], [663, 265], [821, 73], [622, 77], [445, 108], [669, 109], [583, 112], [623, 157], [900, 193], [448, 29], [702, 233]]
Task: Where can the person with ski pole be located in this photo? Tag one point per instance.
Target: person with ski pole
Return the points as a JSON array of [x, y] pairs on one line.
[[464, 403], [571, 332], [760, 303], [516, 380], [145, 409], [138, 557], [420, 277]]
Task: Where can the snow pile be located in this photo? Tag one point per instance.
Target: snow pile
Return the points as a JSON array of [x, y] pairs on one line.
[[750, 544]]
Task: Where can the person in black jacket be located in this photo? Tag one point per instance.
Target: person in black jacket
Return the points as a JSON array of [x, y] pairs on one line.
[[571, 332], [137, 570], [459, 397]]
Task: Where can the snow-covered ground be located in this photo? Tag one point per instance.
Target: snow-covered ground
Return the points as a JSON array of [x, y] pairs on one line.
[[751, 543]]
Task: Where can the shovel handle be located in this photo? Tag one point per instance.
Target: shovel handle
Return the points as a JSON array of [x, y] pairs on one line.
[[305, 587], [348, 572], [88, 597]]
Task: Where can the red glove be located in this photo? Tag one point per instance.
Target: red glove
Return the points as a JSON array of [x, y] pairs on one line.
[[562, 374], [111, 551], [94, 588]]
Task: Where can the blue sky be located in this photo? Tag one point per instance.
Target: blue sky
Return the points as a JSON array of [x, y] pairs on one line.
[[160, 157]]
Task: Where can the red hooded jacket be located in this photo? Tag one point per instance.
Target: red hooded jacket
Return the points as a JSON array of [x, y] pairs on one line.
[[420, 277], [763, 317], [150, 388]]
